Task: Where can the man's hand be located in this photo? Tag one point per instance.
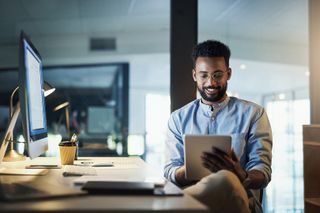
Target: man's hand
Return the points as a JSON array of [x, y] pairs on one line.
[[217, 160], [181, 177]]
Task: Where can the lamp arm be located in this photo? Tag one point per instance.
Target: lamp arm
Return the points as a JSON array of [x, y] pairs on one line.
[[7, 137], [67, 121], [11, 99]]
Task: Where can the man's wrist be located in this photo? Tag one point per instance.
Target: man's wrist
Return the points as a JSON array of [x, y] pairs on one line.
[[242, 174], [180, 176], [246, 181]]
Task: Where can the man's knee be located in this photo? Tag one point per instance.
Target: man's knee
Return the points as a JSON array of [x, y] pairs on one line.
[[224, 179], [218, 183], [221, 191]]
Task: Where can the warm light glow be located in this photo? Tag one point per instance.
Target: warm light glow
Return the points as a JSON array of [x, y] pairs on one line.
[[307, 73]]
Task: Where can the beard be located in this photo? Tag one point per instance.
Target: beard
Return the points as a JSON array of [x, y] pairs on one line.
[[217, 96]]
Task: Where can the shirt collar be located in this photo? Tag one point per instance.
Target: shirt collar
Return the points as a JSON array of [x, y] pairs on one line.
[[215, 106]]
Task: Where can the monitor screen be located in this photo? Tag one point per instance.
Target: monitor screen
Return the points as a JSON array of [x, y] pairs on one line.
[[32, 101]]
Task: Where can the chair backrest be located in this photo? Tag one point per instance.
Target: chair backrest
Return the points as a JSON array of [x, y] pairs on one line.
[[261, 195]]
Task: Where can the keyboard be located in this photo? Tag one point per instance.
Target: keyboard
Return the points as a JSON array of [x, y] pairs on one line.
[[72, 170]]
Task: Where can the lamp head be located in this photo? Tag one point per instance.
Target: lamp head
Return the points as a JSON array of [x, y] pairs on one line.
[[48, 89], [61, 106]]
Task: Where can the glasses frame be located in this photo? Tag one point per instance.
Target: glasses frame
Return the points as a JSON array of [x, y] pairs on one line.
[[212, 76]]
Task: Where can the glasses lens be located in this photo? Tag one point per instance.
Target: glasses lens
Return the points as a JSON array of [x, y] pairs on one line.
[[203, 76], [217, 76]]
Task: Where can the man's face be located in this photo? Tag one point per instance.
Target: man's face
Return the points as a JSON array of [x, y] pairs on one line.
[[211, 75]]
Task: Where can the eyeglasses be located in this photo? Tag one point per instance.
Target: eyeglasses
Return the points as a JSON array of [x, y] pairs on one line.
[[216, 76]]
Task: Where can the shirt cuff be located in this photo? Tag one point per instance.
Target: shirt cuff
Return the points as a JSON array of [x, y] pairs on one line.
[[173, 174], [265, 171]]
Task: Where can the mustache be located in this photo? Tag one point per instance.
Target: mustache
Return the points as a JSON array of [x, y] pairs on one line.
[[211, 87]]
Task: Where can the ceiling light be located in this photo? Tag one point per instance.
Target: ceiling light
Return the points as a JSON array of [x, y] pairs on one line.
[[243, 67]]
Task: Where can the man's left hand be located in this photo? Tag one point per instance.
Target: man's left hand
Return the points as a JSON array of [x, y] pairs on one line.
[[217, 160]]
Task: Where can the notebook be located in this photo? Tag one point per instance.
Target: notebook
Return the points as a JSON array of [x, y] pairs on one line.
[[13, 171], [119, 187]]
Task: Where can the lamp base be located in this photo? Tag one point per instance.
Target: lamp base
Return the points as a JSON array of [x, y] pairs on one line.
[[13, 155]]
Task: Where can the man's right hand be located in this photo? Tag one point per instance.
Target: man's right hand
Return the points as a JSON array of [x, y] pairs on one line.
[[181, 177]]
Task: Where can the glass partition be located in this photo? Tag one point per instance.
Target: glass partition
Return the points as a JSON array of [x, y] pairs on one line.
[[91, 101]]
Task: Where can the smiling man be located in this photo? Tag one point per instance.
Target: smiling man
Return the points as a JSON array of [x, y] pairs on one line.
[[237, 178]]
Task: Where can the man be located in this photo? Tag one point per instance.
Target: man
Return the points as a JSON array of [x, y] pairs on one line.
[[237, 178]]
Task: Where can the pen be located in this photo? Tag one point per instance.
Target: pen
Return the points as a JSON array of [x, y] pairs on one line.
[[86, 162]]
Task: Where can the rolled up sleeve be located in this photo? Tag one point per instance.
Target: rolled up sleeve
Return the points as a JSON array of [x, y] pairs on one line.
[[260, 146], [174, 151]]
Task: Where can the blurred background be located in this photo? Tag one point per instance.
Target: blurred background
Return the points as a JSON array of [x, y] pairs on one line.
[[110, 60]]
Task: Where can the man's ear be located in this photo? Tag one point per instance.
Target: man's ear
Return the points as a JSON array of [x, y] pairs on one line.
[[229, 73], [194, 75]]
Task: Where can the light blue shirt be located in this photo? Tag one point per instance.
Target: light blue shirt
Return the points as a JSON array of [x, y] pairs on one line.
[[246, 122]]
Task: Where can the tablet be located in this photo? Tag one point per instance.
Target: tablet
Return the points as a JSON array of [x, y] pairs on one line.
[[195, 145]]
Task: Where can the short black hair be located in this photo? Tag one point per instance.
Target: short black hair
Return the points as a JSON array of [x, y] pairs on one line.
[[211, 48]]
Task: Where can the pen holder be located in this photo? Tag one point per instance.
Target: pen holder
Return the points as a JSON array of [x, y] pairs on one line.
[[67, 152]]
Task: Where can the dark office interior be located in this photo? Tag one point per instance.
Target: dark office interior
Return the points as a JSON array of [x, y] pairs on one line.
[[120, 67]]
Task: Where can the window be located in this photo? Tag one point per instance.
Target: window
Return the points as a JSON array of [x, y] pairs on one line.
[[269, 45]]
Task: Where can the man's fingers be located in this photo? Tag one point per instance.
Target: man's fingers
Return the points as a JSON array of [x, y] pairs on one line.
[[216, 150], [233, 155], [223, 159], [229, 157], [216, 160], [206, 158], [211, 167]]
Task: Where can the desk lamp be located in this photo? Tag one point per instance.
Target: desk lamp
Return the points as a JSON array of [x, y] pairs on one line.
[[65, 105], [12, 155]]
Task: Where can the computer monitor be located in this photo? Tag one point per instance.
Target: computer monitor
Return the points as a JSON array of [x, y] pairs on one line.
[[31, 96], [31, 102]]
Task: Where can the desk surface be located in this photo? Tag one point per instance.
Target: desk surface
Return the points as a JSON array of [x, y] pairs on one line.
[[98, 203]]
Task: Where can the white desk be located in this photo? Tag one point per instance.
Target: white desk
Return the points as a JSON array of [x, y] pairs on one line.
[[99, 203]]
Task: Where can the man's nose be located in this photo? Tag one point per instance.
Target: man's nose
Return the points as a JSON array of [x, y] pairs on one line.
[[211, 81]]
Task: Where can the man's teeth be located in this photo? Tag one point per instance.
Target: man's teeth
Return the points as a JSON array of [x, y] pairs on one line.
[[210, 90]]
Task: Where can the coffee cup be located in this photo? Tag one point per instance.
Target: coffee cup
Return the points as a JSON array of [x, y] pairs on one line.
[[67, 152]]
